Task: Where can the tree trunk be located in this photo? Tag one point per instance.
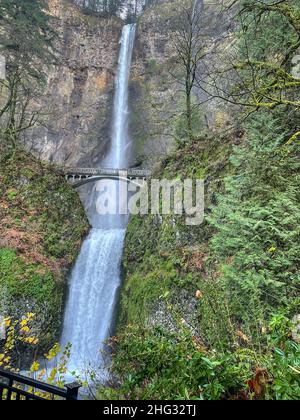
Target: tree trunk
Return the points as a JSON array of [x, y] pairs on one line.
[[188, 94], [189, 116]]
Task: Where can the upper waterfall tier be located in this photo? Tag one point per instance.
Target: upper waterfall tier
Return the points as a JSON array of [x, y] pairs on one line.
[[120, 147]]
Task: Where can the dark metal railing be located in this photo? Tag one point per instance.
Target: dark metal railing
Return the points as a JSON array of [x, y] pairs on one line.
[[18, 387]]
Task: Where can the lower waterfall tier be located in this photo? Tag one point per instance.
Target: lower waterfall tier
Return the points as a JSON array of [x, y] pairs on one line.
[[92, 297]]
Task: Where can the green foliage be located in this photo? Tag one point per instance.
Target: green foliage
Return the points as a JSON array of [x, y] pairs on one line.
[[43, 197], [155, 364], [166, 366], [286, 368], [181, 129], [43, 223], [12, 194], [237, 340], [153, 67], [257, 223], [27, 35], [140, 297], [268, 41], [22, 282]]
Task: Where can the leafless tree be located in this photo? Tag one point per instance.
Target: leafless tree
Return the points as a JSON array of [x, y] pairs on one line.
[[189, 52], [21, 107]]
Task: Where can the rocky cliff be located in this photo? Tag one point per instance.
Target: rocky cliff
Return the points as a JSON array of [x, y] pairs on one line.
[[76, 108], [157, 97], [77, 103], [152, 87]]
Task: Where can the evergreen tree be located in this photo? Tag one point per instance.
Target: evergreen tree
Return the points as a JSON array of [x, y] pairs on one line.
[[257, 222], [26, 36], [101, 7]]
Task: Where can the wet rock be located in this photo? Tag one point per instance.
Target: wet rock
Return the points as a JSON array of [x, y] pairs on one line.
[[78, 99]]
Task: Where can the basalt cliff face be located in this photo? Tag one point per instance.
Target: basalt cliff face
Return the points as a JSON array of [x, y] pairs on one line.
[[77, 105], [78, 99], [157, 85], [152, 87], [75, 129]]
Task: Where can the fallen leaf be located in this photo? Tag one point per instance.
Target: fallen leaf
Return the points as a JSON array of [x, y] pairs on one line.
[[199, 294]]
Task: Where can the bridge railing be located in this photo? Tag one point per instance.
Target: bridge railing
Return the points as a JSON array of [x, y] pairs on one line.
[[107, 171], [18, 387]]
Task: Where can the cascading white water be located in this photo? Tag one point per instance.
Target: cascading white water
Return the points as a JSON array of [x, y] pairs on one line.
[[96, 276], [118, 155]]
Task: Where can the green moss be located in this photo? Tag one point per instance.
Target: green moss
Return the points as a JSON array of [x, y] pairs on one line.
[[42, 227], [23, 279], [151, 281], [29, 287], [155, 252], [153, 67]]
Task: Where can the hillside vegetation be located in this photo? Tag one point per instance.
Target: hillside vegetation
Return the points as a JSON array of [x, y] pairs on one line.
[[42, 225], [212, 312]]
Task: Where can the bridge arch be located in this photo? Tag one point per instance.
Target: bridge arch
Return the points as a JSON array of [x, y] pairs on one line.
[[77, 180], [81, 176]]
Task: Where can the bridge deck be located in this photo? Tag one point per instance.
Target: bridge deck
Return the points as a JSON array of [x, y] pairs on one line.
[[138, 173]]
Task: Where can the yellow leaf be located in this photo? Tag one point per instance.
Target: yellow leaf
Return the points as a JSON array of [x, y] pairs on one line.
[[243, 336], [35, 367], [25, 329], [7, 322]]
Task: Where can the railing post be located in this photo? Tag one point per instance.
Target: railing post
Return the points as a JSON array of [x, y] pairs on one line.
[[72, 391], [2, 328]]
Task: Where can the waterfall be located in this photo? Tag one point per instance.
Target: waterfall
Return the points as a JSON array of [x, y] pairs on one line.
[[95, 279], [118, 155]]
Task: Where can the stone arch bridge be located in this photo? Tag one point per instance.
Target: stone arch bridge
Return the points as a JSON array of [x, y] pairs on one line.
[[81, 176]]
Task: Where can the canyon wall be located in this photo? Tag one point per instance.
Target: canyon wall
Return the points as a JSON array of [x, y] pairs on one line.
[[77, 104], [75, 127], [157, 87]]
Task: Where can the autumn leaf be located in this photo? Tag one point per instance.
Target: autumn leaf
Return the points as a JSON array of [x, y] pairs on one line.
[[257, 385], [199, 294], [243, 337]]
